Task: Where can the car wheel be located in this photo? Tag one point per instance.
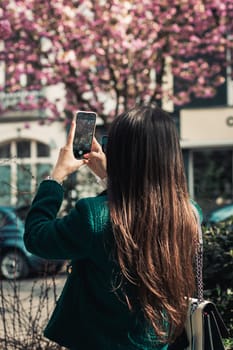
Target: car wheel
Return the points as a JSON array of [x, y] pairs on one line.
[[13, 265]]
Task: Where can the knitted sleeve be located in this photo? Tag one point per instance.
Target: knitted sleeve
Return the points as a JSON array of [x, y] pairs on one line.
[[50, 237]]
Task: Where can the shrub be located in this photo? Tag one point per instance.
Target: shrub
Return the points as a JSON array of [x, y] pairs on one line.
[[24, 312], [218, 269]]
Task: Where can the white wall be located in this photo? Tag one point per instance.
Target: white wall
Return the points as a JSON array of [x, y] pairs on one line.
[[204, 127], [54, 135]]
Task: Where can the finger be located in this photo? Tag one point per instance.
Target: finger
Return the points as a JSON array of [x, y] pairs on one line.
[[81, 162], [70, 137], [78, 163], [95, 145]]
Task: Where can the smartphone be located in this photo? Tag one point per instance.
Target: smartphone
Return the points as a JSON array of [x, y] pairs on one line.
[[84, 132]]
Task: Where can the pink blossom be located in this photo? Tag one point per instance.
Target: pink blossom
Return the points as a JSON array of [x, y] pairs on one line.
[[118, 49], [5, 29], [194, 38], [27, 126]]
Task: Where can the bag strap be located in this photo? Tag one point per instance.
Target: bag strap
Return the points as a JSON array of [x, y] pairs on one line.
[[199, 259]]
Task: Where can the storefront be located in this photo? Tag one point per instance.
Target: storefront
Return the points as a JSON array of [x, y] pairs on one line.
[[206, 136]]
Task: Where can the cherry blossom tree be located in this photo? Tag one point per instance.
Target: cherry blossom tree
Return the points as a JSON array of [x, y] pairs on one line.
[[109, 54]]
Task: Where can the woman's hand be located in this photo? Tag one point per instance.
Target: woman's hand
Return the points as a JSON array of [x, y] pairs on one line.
[[66, 162], [96, 160]]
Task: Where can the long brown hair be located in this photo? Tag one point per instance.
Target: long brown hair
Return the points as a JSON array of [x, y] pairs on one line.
[[153, 222]]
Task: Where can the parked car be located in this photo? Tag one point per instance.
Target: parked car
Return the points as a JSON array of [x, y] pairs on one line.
[[15, 261], [220, 214]]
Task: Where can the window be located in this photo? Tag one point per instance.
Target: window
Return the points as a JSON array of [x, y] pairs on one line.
[[42, 170], [42, 150], [23, 164], [23, 149], [213, 177], [24, 177], [5, 184], [5, 151]]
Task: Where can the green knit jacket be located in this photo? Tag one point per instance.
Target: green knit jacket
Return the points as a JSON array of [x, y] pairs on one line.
[[89, 314]]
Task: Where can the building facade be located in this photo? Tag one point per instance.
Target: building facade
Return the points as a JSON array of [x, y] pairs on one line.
[[206, 136], [207, 142]]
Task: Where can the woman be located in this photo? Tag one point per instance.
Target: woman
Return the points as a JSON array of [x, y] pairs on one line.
[[131, 250]]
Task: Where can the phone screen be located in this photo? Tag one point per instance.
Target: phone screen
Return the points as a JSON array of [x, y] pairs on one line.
[[85, 128]]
